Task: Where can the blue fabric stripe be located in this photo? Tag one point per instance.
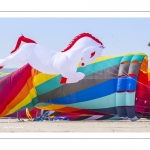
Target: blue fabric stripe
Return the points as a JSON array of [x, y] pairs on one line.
[[97, 91], [131, 83], [126, 83]]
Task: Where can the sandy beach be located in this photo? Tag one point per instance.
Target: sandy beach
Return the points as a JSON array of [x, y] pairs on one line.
[[13, 125]]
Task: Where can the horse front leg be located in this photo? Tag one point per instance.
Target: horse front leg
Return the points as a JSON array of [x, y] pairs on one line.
[[68, 70], [71, 77]]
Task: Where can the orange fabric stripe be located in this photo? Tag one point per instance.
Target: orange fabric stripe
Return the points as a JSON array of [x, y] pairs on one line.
[[135, 61], [144, 65], [68, 109], [125, 62], [21, 95]]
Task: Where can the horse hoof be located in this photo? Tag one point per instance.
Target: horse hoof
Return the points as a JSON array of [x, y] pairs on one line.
[[80, 75], [63, 80]]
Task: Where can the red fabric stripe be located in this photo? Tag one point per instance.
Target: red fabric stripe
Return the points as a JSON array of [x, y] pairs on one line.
[[129, 106], [140, 105], [34, 111], [123, 75], [130, 91], [141, 91], [73, 117], [10, 94], [3, 82], [142, 95], [90, 112], [143, 78], [8, 83], [139, 109], [132, 75]]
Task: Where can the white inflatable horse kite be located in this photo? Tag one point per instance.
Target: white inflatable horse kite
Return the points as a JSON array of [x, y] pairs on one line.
[[84, 48]]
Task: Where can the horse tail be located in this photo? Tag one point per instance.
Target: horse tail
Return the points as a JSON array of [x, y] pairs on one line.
[[1, 62], [1, 67], [24, 39]]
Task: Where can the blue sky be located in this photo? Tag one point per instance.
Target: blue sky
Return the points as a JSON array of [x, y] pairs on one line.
[[119, 35]]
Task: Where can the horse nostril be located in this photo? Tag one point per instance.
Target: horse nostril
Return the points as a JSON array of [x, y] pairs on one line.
[[82, 64]]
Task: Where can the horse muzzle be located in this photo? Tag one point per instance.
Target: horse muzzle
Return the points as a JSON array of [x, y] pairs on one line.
[[82, 64], [102, 46]]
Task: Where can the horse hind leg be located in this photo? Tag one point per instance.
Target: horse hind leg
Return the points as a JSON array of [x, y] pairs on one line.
[[19, 56], [7, 60]]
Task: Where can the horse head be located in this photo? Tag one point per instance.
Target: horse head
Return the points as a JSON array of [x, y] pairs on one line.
[[89, 47], [91, 53]]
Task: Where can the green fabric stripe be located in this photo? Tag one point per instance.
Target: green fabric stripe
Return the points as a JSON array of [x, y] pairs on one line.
[[105, 102], [48, 85], [31, 104], [127, 58], [41, 104], [120, 99], [130, 99], [100, 65], [125, 99], [138, 57], [115, 118], [99, 103]]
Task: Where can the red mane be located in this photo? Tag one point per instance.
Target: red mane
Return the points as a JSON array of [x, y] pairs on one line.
[[79, 37]]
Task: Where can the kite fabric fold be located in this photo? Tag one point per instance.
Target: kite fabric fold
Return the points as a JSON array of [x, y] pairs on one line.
[[127, 95]]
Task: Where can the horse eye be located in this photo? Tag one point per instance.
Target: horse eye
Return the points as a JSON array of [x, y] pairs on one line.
[[92, 54]]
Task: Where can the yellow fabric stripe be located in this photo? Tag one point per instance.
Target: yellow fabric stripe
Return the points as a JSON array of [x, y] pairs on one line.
[[41, 77], [24, 102], [102, 58], [51, 107]]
